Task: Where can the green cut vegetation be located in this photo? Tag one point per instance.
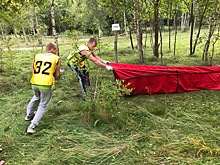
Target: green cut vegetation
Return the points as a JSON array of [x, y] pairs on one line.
[[160, 129]]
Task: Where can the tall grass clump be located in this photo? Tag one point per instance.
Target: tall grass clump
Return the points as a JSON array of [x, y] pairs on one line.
[[104, 102]]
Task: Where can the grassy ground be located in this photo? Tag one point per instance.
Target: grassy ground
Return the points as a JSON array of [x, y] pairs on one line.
[[160, 129]]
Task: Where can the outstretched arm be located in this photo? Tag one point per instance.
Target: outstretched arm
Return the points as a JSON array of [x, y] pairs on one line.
[[96, 59]]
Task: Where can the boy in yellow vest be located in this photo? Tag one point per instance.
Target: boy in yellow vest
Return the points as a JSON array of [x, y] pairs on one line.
[[45, 68], [76, 62]]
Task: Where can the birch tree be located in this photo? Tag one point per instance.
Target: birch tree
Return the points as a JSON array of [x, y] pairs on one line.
[[54, 25], [214, 20], [139, 33], [156, 4]]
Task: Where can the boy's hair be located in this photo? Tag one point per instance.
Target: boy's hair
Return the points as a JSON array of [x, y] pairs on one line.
[[93, 40], [50, 46]]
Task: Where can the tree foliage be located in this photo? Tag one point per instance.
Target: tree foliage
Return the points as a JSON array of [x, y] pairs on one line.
[[96, 17]]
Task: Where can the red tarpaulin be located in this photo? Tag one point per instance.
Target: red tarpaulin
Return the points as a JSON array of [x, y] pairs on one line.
[[148, 79]]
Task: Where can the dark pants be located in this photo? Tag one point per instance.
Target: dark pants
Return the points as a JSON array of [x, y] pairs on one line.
[[83, 77]]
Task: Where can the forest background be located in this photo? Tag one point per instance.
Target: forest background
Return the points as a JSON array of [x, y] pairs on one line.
[[110, 129]]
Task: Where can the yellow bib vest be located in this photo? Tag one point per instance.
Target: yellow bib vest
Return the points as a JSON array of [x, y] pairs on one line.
[[44, 68], [75, 57]]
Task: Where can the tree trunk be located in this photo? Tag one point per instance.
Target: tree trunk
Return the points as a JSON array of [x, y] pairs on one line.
[[131, 40], [139, 31], [186, 18], [169, 34], [125, 18], [140, 44], [145, 42], [15, 32], [161, 46], [207, 44], [191, 26], [3, 34], [151, 38], [200, 26], [33, 29], [212, 27], [54, 25], [125, 25], [36, 21], [25, 36], [213, 46], [116, 47], [175, 35], [156, 28], [183, 21], [168, 22], [115, 33], [99, 31]]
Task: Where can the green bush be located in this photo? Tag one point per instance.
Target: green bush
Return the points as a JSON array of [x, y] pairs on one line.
[[104, 102]]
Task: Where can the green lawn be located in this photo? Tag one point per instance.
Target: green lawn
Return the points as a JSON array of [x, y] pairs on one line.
[[160, 129]]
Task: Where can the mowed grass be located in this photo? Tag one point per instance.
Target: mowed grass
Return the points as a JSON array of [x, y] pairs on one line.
[[160, 129]]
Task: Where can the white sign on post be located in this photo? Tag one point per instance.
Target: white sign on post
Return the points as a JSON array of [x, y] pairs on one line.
[[115, 27]]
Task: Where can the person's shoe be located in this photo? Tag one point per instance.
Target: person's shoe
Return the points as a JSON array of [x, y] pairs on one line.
[[30, 130], [29, 117], [2, 162]]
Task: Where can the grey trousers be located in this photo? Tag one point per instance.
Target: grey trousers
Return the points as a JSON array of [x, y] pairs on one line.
[[38, 103]]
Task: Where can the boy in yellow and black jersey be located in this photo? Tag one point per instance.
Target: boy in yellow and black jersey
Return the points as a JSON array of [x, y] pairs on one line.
[[45, 69], [76, 62]]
